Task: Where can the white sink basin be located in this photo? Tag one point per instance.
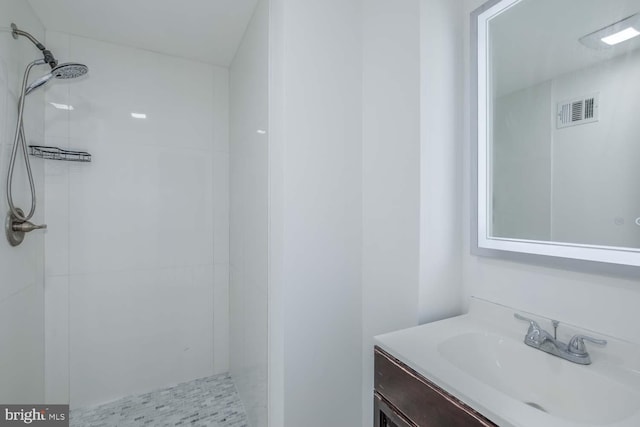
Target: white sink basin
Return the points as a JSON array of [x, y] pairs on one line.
[[550, 384], [481, 359]]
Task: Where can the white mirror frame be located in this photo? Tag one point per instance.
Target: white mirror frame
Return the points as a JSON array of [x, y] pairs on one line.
[[482, 243]]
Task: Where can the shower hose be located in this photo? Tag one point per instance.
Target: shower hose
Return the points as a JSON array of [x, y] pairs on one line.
[[19, 140]]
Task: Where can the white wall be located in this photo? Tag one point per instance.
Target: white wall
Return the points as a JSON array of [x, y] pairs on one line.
[[595, 165], [330, 260], [249, 209], [575, 170], [521, 181], [316, 213], [598, 302], [390, 175], [440, 153], [137, 246], [21, 268]]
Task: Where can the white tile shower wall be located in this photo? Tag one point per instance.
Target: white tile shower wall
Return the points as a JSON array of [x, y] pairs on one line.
[[221, 219], [597, 302], [248, 228], [138, 244], [21, 284]]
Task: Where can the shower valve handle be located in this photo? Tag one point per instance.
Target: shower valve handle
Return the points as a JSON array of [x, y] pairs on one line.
[[27, 227]]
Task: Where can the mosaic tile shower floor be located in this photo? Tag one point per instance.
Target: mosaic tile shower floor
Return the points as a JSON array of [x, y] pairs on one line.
[[210, 402]]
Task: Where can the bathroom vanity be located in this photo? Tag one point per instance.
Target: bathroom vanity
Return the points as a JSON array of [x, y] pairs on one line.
[[475, 370], [403, 397]]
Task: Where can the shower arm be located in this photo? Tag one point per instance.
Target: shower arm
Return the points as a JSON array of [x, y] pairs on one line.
[[16, 32], [48, 56]]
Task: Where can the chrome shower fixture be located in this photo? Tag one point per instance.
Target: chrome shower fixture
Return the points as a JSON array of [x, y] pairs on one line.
[[48, 56], [69, 70], [17, 222]]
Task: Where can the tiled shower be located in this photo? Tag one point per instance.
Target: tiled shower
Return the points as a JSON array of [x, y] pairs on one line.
[[125, 298], [125, 235]]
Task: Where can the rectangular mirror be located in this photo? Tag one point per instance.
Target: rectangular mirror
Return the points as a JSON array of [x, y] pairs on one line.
[[557, 104]]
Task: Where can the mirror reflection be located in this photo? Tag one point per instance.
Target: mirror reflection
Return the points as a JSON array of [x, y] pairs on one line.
[[564, 122]]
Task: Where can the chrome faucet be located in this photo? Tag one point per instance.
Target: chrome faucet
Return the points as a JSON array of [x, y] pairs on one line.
[[575, 351]]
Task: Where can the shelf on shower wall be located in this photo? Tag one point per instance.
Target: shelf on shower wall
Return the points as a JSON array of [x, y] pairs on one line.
[[55, 153]]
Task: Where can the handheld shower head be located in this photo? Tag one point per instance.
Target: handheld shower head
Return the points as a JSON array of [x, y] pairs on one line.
[[69, 70]]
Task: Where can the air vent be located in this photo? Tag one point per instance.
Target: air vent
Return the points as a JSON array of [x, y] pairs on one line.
[[589, 108], [577, 111]]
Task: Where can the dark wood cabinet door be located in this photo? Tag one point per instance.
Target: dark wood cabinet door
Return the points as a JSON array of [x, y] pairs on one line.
[[420, 401]]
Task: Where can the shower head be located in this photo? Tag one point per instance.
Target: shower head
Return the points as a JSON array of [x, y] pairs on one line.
[[69, 70]]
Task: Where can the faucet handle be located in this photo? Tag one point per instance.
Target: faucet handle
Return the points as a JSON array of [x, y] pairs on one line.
[[577, 347], [27, 227], [533, 325], [535, 334]]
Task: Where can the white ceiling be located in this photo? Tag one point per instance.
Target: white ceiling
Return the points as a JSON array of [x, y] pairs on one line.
[[537, 40], [204, 30]]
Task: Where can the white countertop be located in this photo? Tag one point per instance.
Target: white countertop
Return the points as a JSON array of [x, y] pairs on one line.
[[418, 347]]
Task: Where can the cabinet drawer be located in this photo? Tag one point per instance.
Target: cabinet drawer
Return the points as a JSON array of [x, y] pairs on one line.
[[421, 401], [385, 416]]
